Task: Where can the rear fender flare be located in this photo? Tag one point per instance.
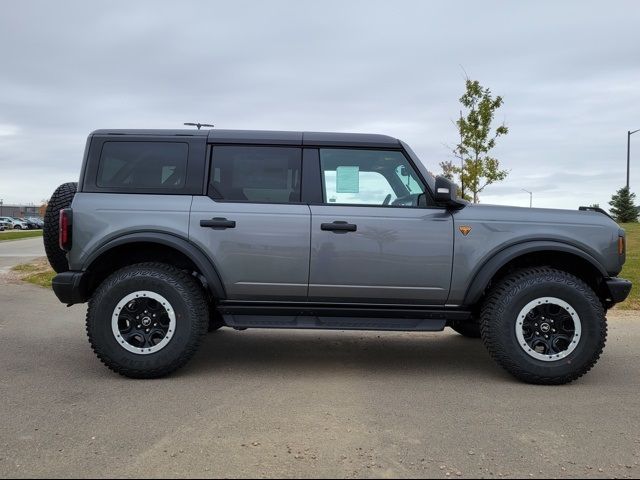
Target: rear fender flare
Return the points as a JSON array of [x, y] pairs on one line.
[[197, 256]]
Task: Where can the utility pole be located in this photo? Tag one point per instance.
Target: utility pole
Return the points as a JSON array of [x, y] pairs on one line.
[[530, 197], [629, 133]]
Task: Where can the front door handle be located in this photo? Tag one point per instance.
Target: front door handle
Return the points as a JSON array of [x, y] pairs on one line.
[[339, 227], [218, 223]]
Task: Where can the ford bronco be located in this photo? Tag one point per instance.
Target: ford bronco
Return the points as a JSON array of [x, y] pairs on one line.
[[169, 234]]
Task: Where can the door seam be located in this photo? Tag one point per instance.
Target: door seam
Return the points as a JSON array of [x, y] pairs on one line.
[[310, 248]]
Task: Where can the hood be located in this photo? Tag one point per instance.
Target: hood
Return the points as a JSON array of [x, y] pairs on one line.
[[536, 215]]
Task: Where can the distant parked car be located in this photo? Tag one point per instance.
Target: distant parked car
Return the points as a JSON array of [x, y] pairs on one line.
[[37, 221], [19, 224], [22, 222], [1, 227], [31, 224], [13, 223]]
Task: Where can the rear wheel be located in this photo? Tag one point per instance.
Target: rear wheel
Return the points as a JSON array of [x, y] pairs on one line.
[[61, 198], [544, 326], [147, 320]]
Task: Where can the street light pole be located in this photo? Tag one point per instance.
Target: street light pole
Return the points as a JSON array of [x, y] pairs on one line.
[[629, 133], [530, 197]]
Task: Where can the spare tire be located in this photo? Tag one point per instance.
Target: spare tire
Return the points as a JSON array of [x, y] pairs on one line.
[[61, 198]]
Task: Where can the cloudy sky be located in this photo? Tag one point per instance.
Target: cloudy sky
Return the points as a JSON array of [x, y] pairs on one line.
[[569, 73]]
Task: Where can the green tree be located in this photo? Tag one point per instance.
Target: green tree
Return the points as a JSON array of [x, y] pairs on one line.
[[448, 170], [477, 138], [623, 206]]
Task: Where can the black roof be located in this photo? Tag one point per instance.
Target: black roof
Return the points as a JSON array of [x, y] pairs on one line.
[[152, 132], [266, 137]]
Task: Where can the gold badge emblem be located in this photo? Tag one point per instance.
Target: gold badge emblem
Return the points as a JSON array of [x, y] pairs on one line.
[[464, 229]]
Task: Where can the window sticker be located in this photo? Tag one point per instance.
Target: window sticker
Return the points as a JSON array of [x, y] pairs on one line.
[[348, 179]]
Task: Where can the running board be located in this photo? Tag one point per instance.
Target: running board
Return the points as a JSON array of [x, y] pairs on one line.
[[334, 317], [309, 322]]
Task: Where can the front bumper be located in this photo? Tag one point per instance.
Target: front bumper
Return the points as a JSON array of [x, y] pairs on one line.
[[70, 287], [619, 289]]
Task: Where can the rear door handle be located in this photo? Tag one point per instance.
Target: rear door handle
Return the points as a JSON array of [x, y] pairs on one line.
[[218, 223], [339, 227]]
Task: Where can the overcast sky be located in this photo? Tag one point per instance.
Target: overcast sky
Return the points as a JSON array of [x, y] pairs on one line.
[[569, 73]]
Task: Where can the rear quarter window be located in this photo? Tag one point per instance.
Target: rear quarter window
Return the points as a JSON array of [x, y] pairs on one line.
[[135, 166]]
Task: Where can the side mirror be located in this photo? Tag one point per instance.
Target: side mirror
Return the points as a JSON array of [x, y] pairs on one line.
[[447, 193]]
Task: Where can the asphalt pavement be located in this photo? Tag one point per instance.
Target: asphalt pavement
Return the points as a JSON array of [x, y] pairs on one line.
[[13, 252], [299, 404]]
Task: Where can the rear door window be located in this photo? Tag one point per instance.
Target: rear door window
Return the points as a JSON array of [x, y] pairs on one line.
[[256, 174], [135, 166]]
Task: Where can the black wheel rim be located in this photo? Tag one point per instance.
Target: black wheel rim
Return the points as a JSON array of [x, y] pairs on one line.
[[548, 329], [143, 322]]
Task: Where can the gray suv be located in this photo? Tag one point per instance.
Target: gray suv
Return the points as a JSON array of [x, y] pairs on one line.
[[169, 234]]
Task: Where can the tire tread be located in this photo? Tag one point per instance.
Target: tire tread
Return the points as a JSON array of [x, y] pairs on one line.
[[193, 295], [61, 198], [497, 301]]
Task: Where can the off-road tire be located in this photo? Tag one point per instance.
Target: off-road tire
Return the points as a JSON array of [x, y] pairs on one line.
[[505, 301], [187, 299], [469, 328], [61, 198]]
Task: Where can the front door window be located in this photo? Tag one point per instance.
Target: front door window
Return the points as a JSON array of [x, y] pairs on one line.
[[369, 177]]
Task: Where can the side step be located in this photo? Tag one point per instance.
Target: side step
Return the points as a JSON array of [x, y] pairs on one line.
[[323, 317], [311, 322]]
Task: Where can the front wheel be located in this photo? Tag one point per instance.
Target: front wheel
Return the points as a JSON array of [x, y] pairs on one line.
[[147, 320], [544, 326]]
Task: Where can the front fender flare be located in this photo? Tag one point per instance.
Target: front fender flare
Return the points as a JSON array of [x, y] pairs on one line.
[[498, 260]]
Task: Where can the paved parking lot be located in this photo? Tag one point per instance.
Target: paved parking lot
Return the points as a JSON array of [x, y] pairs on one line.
[[305, 404], [13, 252]]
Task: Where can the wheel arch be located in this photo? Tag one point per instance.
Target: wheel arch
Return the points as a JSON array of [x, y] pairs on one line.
[[537, 253], [152, 246]]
